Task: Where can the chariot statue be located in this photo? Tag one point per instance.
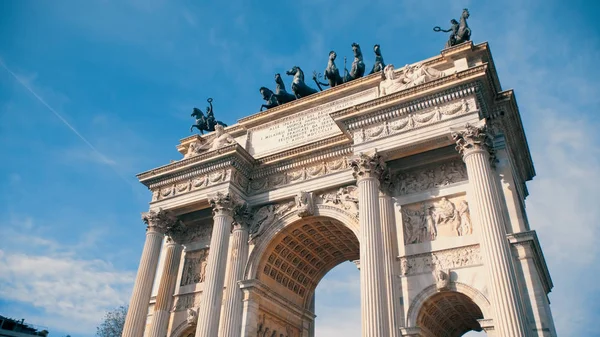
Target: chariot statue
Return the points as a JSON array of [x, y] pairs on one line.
[[205, 123], [379, 65], [280, 96], [332, 74], [299, 87]]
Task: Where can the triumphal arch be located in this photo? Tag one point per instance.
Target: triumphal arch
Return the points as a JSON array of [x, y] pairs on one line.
[[417, 174]]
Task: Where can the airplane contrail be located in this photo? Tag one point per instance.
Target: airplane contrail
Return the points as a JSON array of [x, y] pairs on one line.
[[62, 119]]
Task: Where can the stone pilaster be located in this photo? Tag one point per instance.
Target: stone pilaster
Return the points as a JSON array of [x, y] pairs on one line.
[[474, 145], [157, 224], [164, 298], [209, 312], [368, 170], [231, 317], [388, 233]]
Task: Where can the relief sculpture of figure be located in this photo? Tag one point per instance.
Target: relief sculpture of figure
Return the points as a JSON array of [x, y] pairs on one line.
[[448, 215], [429, 222], [466, 227]]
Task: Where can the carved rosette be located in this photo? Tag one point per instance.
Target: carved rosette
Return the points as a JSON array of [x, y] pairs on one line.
[[473, 139], [224, 203], [365, 166], [159, 221]]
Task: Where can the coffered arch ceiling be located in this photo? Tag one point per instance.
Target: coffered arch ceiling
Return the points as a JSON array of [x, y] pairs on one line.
[[449, 314], [299, 256]]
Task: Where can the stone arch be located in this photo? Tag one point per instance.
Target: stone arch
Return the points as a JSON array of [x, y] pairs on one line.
[[267, 237], [184, 329], [473, 294]]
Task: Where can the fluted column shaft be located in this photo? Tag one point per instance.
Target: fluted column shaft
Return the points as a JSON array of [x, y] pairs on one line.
[[474, 145], [388, 233], [375, 318], [209, 312], [157, 224], [231, 317], [164, 298]]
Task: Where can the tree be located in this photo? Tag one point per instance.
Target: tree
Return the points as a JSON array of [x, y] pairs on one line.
[[112, 325]]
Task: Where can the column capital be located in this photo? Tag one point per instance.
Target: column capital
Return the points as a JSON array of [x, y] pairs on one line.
[[366, 166], [224, 203], [473, 139], [159, 221]]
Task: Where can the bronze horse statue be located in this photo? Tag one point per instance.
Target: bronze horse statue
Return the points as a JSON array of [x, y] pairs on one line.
[[332, 74], [299, 87], [280, 96], [459, 32], [205, 123]]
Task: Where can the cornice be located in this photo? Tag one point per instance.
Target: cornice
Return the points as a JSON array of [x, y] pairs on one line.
[[530, 238], [232, 155], [364, 109]]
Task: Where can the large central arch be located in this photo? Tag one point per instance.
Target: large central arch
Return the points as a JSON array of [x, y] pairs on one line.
[[290, 259]]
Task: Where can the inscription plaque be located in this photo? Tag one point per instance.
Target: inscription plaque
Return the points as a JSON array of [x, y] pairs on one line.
[[303, 127]]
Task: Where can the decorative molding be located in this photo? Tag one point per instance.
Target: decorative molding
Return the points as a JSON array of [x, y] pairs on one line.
[[429, 177], [441, 260], [414, 120]]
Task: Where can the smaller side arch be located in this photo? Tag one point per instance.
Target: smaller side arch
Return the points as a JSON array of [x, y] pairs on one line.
[[475, 295], [180, 330]]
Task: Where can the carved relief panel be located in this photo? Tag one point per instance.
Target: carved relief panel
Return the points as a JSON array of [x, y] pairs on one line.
[[430, 219], [187, 301], [434, 176], [441, 260], [270, 326], [194, 267]]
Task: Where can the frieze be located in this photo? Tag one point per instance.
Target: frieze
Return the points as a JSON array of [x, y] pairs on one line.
[[441, 260], [199, 182], [196, 233], [194, 267], [293, 175], [428, 220], [414, 120], [435, 176], [187, 301], [344, 198]]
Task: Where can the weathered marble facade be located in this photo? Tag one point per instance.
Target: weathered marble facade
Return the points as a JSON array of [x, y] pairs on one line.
[[420, 179]]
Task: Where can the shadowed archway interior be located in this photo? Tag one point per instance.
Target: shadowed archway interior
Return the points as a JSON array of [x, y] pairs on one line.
[[449, 314], [304, 252]]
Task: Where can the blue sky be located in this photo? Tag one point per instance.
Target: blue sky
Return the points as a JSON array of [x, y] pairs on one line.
[[124, 75]]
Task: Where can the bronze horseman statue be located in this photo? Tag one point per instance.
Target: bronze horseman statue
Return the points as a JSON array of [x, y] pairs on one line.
[[205, 123], [459, 32]]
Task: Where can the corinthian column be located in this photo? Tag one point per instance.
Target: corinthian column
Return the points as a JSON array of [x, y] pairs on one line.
[[166, 288], [474, 145], [157, 224], [209, 313], [375, 318], [231, 317], [388, 235]]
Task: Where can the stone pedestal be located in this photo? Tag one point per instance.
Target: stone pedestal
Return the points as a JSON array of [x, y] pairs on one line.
[[231, 318], [375, 317], [157, 224], [474, 145], [164, 298], [209, 312]]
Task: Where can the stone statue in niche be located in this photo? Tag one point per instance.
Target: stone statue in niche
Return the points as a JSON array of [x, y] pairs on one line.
[[426, 221], [345, 198], [194, 267], [304, 203]]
